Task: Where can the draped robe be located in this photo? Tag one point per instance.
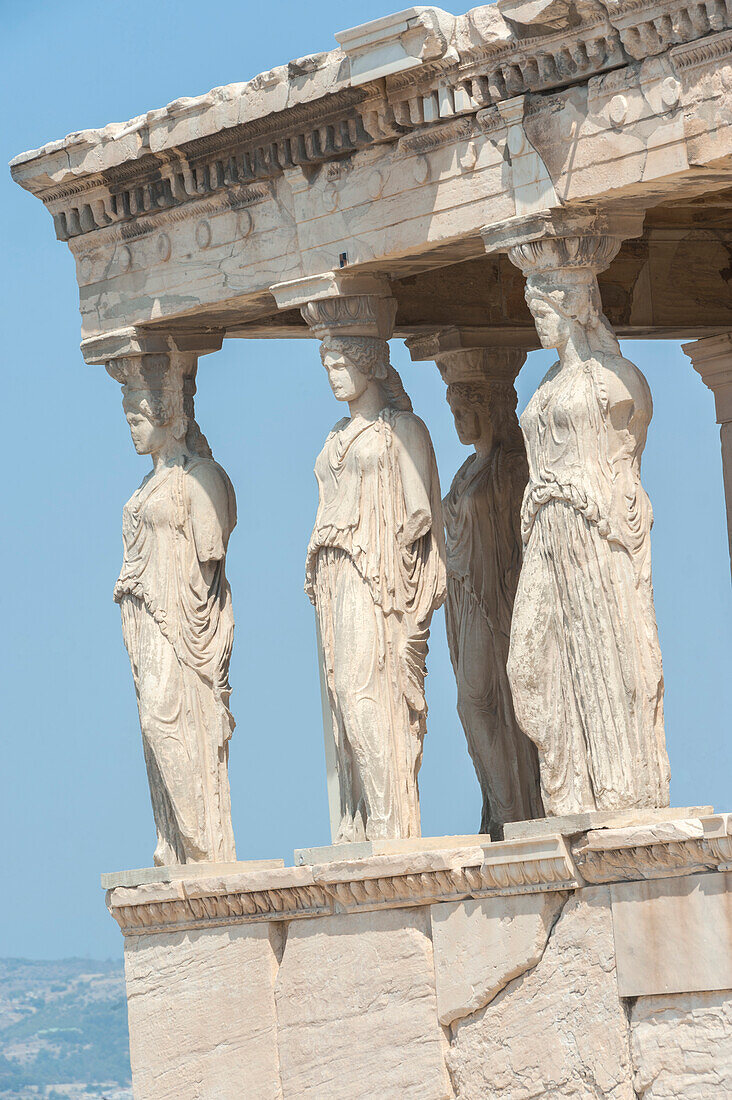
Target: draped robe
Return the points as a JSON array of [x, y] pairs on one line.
[[585, 661], [482, 525], [375, 573], [178, 628]]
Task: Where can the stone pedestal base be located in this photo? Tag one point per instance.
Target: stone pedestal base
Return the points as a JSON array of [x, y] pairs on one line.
[[572, 824], [600, 966], [338, 853]]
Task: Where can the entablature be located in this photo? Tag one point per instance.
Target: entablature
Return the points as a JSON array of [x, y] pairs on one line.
[[391, 155]]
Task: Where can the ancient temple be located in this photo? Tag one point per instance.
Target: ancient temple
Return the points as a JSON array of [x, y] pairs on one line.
[[552, 173]]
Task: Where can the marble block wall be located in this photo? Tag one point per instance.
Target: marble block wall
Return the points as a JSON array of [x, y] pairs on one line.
[[363, 979]]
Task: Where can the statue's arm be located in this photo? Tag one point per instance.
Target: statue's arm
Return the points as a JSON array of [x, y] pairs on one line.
[[416, 465], [209, 504]]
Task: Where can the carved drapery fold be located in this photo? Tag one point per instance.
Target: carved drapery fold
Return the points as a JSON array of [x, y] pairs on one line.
[[174, 597], [375, 563], [584, 661], [483, 555]]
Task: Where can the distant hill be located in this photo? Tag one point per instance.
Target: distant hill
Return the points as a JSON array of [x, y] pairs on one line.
[[63, 1030]]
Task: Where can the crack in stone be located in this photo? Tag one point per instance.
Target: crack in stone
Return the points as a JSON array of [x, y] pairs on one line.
[[627, 1004], [278, 939], [450, 1029], [472, 1013]]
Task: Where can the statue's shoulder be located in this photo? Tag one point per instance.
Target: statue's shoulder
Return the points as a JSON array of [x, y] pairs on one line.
[[457, 488], [466, 468], [633, 382], [409, 427], [205, 470], [205, 475], [550, 375]]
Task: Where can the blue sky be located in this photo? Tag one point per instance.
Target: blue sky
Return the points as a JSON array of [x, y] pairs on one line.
[[73, 791]]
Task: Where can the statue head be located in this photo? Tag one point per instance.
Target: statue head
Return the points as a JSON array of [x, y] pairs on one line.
[[562, 291], [157, 398], [466, 402], [562, 302], [354, 363], [484, 412]]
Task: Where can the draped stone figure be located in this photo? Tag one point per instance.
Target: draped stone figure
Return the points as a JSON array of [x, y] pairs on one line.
[[483, 543], [175, 602], [585, 661], [375, 573]]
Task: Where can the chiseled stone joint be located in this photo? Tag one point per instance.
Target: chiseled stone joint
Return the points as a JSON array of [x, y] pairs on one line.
[[712, 358]]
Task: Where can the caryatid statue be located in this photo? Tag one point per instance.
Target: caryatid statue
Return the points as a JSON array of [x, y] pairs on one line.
[[483, 538], [375, 570], [483, 545], [585, 661], [175, 602]]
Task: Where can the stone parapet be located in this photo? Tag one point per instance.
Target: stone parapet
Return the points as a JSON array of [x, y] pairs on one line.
[[588, 964], [404, 879]]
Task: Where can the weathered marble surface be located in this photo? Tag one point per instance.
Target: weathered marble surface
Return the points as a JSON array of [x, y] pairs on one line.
[[375, 569], [366, 848], [681, 1046], [458, 973], [262, 182], [558, 1030], [356, 1009], [176, 872], [175, 601], [604, 820], [584, 660], [480, 946], [672, 936], [202, 1014], [409, 877]]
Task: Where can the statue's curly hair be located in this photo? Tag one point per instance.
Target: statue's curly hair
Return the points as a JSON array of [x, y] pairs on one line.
[[499, 398], [575, 295], [164, 391]]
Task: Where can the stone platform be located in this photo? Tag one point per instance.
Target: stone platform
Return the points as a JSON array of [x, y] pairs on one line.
[[596, 965]]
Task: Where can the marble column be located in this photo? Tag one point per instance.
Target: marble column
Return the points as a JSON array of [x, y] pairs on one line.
[[712, 358], [483, 544], [174, 597], [584, 658], [375, 567]]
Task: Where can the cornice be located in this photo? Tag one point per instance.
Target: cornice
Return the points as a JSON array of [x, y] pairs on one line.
[[531, 865], [165, 159]]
